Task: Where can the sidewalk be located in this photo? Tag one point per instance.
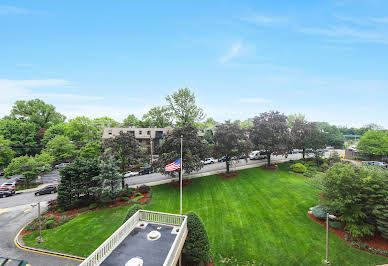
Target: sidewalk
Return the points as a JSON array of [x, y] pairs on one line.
[[33, 189]]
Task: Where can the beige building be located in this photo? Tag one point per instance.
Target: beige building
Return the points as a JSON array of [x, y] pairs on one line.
[[143, 135]]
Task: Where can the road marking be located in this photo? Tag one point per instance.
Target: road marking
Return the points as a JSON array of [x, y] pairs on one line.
[[27, 210], [3, 210]]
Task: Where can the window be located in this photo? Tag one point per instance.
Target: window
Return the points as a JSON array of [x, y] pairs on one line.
[[110, 132], [140, 132], [140, 140], [148, 132]]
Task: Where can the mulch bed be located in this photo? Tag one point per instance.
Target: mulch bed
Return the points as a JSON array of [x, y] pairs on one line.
[[272, 167], [376, 242], [185, 183], [230, 175], [322, 197]]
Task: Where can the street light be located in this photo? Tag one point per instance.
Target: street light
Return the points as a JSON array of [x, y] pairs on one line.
[[327, 236], [40, 225]]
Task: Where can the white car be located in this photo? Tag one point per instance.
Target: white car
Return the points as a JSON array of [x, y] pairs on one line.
[[209, 161], [130, 173]]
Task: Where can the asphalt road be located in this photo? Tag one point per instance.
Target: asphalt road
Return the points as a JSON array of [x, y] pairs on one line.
[[11, 221]]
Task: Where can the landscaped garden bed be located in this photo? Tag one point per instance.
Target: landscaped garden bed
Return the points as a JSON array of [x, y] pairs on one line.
[[259, 218], [229, 175]]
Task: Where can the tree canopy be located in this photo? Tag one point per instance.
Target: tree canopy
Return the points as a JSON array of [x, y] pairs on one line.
[[374, 143], [159, 116], [61, 148], [6, 152], [131, 120]]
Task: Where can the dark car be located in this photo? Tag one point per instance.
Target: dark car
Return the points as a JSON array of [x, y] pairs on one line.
[[5, 193], [46, 190], [146, 171], [1, 173]]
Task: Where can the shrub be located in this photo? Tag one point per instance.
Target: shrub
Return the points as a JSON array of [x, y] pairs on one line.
[[135, 199], [196, 247], [144, 189], [132, 211], [309, 173], [138, 194], [298, 168], [124, 199], [92, 206], [52, 217], [64, 219], [127, 192], [83, 209], [309, 163], [50, 224], [31, 227], [319, 212], [52, 204], [335, 224]]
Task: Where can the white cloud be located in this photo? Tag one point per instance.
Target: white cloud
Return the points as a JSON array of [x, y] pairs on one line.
[[254, 100], [265, 20], [233, 52]]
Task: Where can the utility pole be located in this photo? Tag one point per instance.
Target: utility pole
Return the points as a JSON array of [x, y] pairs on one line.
[[151, 150]]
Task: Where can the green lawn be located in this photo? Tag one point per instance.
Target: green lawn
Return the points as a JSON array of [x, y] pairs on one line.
[[258, 217]]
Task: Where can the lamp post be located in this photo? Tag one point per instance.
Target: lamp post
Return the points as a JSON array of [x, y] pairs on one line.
[[327, 236], [40, 224]]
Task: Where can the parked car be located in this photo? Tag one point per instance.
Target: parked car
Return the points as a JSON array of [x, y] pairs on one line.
[[209, 161], [51, 189], [257, 155], [10, 186], [222, 159], [61, 165], [381, 164], [1, 173], [5, 193], [130, 173], [146, 171]]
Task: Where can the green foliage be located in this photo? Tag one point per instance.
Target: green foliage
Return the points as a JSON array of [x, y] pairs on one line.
[[132, 211], [131, 121], [374, 143], [52, 217], [53, 131], [63, 220], [319, 212], [6, 152], [26, 165], [50, 224], [184, 108], [81, 130], [92, 206], [298, 168], [381, 213], [61, 148], [31, 226], [160, 116], [144, 189], [354, 193], [22, 134], [196, 247], [38, 112], [103, 122], [124, 198], [135, 199], [90, 150], [332, 135], [108, 181], [335, 224]]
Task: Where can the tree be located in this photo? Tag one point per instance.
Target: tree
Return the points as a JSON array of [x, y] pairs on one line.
[[231, 141], [37, 112], [22, 135], [374, 143], [196, 248], [52, 132], [125, 149], [159, 116], [270, 133], [108, 180], [80, 130], [61, 148], [103, 122], [77, 183], [90, 150], [333, 136], [183, 106], [194, 150], [6, 152], [131, 121]]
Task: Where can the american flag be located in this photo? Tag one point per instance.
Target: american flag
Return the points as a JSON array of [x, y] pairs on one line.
[[173, 166]]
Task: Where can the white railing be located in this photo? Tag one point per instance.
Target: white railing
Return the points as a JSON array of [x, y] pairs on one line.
[[176, 248], [161, 218], [106, 248]]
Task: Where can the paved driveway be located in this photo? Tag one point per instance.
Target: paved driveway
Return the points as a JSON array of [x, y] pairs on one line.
[[11, 221]]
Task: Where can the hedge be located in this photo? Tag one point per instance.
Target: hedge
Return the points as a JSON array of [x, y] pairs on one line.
[[298, 168], [132, 211]]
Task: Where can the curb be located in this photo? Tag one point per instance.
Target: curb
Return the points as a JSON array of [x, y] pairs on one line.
[[43, 251]]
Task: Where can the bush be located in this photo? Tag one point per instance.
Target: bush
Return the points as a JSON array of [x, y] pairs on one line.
[[138, 194], [298, 168], [335, 224], [31, 227], [52, 217], [124, 198], [127, 192], [309, 173], [50, 224], [92, 206], [309, 163], [64, 219], [196, 247], [135, 199], [144, 189], [319, 212], [52, 204], [132, 211]]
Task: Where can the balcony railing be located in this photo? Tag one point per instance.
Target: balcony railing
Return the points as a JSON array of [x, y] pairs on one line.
[[106, 248]]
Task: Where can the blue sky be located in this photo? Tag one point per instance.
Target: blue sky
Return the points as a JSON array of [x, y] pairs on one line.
[[325, 59]]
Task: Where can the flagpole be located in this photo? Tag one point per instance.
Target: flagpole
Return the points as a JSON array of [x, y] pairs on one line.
[[181, 170]]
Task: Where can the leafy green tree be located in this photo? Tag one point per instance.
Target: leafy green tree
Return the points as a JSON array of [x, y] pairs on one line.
[[103, 122], [61, 148], [108, 180], [125, 149], [194, 150], [81, 130], [6, 152], [184, 108], [374, 143], [196, 248], [131, 121], [231, 141], [353, 194], [38, 112], [270, 133], [52, 132], [23, 136], [333, 136], [77, 183], [247, 123], [159, 116], [90, 150]]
